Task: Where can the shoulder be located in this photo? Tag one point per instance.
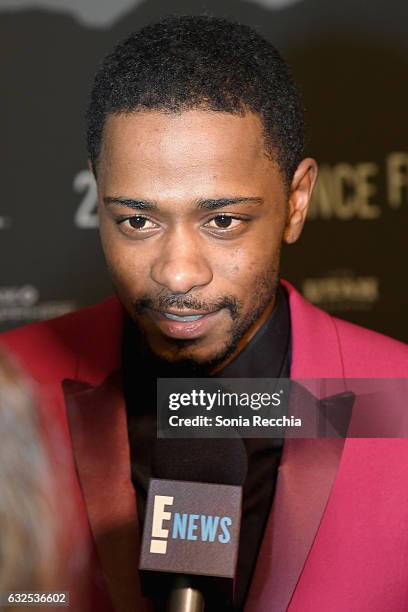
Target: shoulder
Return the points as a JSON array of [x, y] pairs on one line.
[[323, 340], [370, 352], [48, 349]]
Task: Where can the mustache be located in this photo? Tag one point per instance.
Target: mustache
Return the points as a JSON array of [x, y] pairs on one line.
[[186, 302]]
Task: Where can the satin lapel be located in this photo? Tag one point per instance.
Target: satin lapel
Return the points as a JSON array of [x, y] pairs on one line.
[[97, 421], [307, 471], [306, 475]]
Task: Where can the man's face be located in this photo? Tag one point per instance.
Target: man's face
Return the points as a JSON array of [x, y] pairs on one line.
[[192, 216]]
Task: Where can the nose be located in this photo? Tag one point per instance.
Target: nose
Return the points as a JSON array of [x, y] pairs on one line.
[[181, 265]]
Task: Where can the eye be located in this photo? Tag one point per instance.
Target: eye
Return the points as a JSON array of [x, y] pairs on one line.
[[137, 222], [224, 222]]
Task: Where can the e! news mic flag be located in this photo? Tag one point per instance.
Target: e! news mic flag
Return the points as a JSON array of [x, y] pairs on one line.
[[191, 530]]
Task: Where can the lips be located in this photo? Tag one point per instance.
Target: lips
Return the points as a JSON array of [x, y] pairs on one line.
[[185, 324]]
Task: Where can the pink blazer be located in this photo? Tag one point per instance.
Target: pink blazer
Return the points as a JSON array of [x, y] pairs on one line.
[[337, 535]]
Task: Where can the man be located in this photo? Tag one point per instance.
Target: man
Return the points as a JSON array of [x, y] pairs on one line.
[[195, 137]]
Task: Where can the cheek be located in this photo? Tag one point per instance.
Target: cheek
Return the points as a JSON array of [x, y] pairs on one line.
[[128, 269], [243, 265], [126, 266]]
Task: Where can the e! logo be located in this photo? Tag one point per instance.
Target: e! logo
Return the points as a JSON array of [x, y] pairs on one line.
[[160, 515]]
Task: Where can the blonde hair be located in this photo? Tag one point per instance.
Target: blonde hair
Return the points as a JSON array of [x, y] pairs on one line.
[[28, 525]]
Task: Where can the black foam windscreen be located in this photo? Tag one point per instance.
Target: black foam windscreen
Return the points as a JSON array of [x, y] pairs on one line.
[[213, 460]]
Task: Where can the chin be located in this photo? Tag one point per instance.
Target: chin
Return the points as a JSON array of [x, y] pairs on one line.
[[197, 356]]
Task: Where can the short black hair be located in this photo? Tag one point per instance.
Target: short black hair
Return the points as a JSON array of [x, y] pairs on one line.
[[186, 62]]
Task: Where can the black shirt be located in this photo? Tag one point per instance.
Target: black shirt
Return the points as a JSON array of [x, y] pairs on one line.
[[267, 355]]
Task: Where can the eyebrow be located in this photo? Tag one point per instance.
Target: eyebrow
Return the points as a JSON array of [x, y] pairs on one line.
[[207, 204], [130, 203], [221, 202]]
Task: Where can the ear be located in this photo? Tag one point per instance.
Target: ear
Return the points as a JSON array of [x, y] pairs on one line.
[[301, 190]]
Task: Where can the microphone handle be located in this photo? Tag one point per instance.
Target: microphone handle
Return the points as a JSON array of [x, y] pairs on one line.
[[184, 598]]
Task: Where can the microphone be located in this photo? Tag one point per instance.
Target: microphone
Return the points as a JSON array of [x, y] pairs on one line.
[[192, 522]]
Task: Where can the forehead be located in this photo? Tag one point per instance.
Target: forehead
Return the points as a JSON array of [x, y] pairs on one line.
[[195, 147]]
